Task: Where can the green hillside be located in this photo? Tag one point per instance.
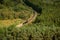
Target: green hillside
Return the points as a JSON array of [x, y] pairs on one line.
[[29, 19]]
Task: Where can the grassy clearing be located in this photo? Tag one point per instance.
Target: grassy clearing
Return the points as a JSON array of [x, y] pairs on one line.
[[6, 23]]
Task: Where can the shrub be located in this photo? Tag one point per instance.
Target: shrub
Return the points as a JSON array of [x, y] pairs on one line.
[[33, 32]]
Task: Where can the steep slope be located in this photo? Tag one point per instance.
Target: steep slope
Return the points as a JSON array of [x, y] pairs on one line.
[[50, 11]]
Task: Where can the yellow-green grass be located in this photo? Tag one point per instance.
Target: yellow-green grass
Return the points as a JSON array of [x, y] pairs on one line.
[[6, 23]]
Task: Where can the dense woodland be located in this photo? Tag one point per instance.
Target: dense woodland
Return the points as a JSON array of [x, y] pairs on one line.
[[45, 27]]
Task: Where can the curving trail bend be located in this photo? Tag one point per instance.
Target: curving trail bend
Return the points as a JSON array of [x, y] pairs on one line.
[[32, 17], [30, 20]]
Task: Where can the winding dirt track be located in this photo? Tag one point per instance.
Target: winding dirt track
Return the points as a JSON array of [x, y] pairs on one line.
[[30, 20]]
